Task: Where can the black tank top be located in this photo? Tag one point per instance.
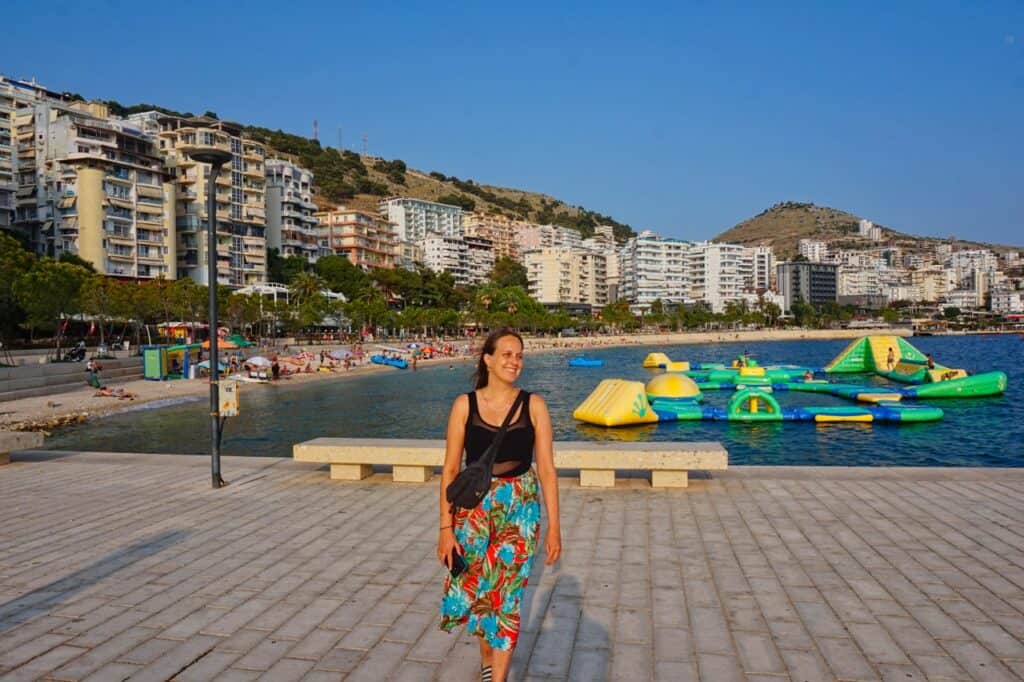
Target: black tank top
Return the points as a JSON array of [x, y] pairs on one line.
[[518, 443]]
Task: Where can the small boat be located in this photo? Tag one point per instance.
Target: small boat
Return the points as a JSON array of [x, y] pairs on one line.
[[585, 362]]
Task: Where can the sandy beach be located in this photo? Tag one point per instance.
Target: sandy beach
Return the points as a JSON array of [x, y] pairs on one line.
[[46, 413]]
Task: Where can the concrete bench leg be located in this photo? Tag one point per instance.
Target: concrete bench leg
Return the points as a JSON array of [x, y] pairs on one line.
[[669, 479], [350, 472], [411, 474], [597, 478]]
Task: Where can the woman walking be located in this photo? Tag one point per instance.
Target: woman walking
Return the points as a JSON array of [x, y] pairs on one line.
[[496, 540]]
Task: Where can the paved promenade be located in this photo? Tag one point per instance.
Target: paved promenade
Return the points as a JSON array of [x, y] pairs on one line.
[[129, 566]]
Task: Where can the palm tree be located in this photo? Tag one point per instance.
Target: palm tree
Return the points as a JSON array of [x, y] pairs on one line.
[[305, 286]]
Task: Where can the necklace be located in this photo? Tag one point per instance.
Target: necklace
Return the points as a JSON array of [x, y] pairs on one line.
[[506, 404]]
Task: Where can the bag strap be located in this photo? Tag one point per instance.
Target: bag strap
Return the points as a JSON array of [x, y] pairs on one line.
[[492, 451]]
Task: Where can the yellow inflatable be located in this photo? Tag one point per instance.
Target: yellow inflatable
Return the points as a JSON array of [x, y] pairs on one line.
[[617, 402], [656, 360], [672, 386], [677, 366]]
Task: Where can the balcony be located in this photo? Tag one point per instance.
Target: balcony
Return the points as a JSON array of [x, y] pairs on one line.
[[121, 256]]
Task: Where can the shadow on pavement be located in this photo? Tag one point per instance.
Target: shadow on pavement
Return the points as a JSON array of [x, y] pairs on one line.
[[43, 599]]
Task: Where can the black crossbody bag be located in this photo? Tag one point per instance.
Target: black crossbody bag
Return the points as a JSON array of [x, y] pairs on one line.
[[473, 482]]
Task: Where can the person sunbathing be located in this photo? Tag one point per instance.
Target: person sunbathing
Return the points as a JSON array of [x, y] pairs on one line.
[[118, 393]]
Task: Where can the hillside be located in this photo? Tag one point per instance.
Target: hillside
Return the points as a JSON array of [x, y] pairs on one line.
[[357, 181], [783, 225]]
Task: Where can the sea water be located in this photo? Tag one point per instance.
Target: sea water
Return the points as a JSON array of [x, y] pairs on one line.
[[407, 404]]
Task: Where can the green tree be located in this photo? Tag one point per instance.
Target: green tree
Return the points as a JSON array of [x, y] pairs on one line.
[[76, 260], [100, 297], [951, 313], [340, 275], [15, 262], [508, 272], [283, 270], [48, 293], [618, 316]]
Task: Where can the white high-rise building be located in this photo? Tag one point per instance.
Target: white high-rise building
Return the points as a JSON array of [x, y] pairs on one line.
[[654, 268], [762, 267], [292, 228], [814, 251], [480, 258], [415, 219], [447, 254], [549, 236], [564, 275], [718, 273]]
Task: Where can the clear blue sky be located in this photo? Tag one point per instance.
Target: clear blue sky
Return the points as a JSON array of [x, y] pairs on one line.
[[684, 118]]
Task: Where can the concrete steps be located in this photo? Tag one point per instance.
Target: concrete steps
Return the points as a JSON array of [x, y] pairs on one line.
[[29, 381]]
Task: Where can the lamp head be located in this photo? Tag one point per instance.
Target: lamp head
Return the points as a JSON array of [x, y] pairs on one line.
[[211, 155]]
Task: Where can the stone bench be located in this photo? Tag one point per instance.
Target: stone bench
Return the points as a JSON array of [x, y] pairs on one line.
[[17, 440], [352, 459]]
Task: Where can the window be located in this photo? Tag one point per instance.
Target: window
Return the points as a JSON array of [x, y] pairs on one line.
[[236, 177]]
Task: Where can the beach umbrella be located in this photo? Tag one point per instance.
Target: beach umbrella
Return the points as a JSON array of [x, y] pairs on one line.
[[340, 354], [205, 364], [258, 361]]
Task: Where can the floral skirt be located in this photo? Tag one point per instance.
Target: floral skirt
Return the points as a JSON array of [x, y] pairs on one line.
[[498, 538]]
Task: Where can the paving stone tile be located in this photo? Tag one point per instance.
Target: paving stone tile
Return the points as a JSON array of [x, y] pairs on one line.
[[286, 670], [148, 651], [805, 665], [113, 671], [589, 664], [718, 667], [179, 658], [631, 662], [382, 660], [758, 654], [877, 644], [845, 659], [264, 655], [415, 671], [209, 667], [939, 667], [979, 663]]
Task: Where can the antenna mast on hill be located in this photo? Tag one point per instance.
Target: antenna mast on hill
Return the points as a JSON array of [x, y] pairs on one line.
[[316, 131], [366, 143]]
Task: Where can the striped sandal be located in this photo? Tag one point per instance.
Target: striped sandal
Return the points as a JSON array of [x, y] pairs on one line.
[[485, 674]]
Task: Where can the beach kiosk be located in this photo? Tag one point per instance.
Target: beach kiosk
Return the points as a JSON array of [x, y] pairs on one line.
[[154, 363], [182, 359]]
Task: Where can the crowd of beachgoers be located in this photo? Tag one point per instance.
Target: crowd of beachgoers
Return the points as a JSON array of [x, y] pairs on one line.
[[335, 359]]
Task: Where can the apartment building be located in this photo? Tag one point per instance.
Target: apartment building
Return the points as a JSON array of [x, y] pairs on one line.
[[603, 242], [549, 236], [501, 231], [367, 240], [447, 254], [857, 281], [654, 268], [813, 283], [86, 184], [718, 273], [292, 228], [559, 275], [415, 219], [480, 258], [241, 213], [762, 267], [8, 156], [814, 251]]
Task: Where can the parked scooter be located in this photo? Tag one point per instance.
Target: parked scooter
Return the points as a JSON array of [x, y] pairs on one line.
[[76, 354]]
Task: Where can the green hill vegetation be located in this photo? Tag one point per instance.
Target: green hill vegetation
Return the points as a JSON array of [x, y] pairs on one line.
[[783, 225], [361, 182]]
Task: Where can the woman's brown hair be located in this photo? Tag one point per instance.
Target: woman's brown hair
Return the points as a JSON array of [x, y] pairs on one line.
[[490, 345]]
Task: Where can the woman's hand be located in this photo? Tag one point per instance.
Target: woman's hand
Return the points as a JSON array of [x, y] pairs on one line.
[[446, 544], [553, 545]]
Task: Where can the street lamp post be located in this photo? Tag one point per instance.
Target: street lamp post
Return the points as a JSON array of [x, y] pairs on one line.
[[216, 158]]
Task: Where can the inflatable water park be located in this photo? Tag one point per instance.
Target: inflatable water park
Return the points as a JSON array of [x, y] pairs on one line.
[[677, 394]]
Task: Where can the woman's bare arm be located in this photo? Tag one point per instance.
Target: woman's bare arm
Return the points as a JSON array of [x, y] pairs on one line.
[[454, 443], [544, 452]]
